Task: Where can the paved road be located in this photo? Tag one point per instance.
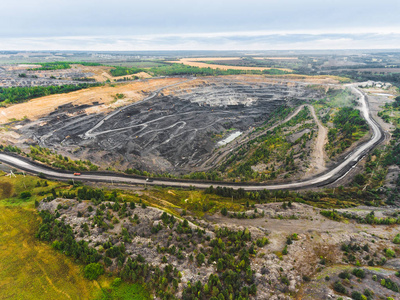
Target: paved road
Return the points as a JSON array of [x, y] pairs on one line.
[[337, 172]]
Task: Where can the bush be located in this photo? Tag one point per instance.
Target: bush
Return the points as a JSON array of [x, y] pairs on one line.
[[338, 287], [117, 282], [397, 239], [26, 195], [224, 211], [262, 242], [93, 271], [360, 273], [200, 258], [345, 275], [389, 253], [356, 295]]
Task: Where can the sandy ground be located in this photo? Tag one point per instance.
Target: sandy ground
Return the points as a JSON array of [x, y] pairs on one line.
[[102, 73], [196, 62], [277, 58], [39, 107], [20, 67], [376, 102], [288, 79], [319, 155], [141, 75]]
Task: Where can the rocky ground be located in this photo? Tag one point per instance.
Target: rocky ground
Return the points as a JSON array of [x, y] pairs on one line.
[[304, 247]]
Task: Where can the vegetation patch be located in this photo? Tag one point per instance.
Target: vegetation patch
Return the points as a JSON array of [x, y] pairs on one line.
[[13, 95]]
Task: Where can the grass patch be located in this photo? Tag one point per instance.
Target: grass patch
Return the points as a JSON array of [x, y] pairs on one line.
[[30, 269], [124, 291], [197, 202], [12, 188]]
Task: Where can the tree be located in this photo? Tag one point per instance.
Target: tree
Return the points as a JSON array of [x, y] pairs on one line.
[[93, 271], [200, 258], [26, 195], [224, 211], [360, 179]]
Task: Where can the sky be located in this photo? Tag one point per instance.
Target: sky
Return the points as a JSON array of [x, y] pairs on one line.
[[130, 25]]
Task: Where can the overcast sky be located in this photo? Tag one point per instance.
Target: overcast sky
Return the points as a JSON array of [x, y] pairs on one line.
[[199, 25]]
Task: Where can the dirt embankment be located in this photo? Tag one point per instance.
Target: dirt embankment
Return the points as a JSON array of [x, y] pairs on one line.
[[199, 62], [104, 95], [319, 155], [102, 73]]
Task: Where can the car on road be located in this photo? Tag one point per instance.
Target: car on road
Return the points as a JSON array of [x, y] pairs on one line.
[[77, 174]]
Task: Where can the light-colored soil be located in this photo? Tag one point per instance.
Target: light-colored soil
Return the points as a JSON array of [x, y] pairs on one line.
[[376, 102], [102, 73], [40, 107], [212, 58], [319, 155], [289, 79], [20, 67], [197, 62], [277, 58], [141, 75]]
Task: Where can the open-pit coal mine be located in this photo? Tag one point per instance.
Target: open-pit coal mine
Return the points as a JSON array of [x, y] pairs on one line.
[[170, 131]]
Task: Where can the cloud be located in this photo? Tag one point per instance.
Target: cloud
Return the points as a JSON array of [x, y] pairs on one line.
[[249, 40]]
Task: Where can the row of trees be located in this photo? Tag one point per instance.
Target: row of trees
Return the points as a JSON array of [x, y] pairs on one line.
[[181, 69], [368, 219], [59, 65], [123, 71], [20, 94]]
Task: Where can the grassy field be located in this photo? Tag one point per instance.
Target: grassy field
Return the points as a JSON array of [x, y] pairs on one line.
[[30, 269], [195, 201]]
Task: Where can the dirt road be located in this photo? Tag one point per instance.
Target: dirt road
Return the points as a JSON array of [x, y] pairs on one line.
[[319, 153]]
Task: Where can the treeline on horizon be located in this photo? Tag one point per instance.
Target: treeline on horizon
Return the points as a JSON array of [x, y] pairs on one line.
[[181, 69], [13, 95], [59, 65]]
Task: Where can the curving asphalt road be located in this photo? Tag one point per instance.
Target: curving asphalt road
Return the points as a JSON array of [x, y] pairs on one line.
[[334, 174]]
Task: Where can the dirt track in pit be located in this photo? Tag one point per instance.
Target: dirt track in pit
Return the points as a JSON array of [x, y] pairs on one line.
[[90, 134], [318, 162], [338, 171], [171, 130], [319, 155]]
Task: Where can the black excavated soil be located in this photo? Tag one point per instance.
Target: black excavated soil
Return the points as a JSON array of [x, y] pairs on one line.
[[166, 133]]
